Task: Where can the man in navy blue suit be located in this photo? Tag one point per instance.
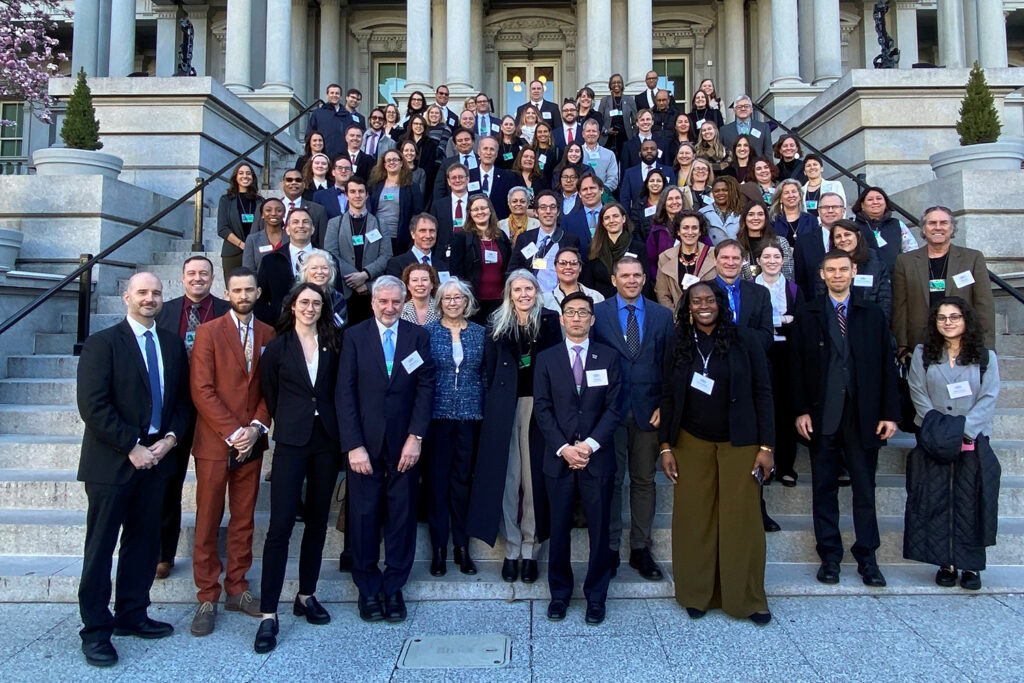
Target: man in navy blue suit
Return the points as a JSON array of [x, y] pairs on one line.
[[570, 130], [633, 178], [577, 407], [486, 124], [384, 402], [639, 330], [583, 221], [333, 198]]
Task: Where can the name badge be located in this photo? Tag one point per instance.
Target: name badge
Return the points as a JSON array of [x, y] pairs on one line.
[[338, 322], [963, 279], [374, 236], [615, 112], [443, 276], [190, 339], [959, 389], [597, 378], [247, 217], [474, 186], [452, 121], [702, 383], [592, 164], [594, 155], [863, 280], [755, 132], [689, 280], [659, 153], [541, 160], [355, 117], [546, 114], [412, 361], [936, 285], [525, 361], [490, 256], [266, 249], [357, 240], [508, 156], [700, 122], [457, 222], [389, 196], [530, 250], [495, 128], [812, 204], [540, 264], [649, 211], [880, 241], [707, 199]]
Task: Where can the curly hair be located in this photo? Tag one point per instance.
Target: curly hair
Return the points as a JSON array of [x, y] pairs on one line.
[[724, 332], [972, 345], [329, 335]]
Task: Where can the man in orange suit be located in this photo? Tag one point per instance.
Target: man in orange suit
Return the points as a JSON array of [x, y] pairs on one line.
[[231, 425]]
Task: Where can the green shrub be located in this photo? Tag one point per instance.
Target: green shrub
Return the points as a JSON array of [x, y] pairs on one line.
[[81, 130], [979, 120]]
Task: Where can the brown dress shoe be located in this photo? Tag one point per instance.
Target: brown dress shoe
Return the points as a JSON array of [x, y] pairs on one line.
[[163, 569], [243, 602], [202, 622]]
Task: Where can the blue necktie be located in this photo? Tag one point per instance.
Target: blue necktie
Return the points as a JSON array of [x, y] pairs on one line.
[[485, 185], [154, 382], [389, 350]]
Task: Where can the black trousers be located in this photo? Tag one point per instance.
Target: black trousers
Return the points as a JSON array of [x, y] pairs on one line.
[[596, 494], [316, 464], [133, 510], [382, 501], [785, 431], [829, 453], [449, 468], [170, 522]]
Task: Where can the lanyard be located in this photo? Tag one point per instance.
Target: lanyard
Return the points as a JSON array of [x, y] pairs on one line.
[[703, 358]]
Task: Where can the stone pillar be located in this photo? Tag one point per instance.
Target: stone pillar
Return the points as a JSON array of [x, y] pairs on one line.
[[278, 75], [906, 33], [417, 45], [640, 44], [299, 39], [581, 46], [476, 47], [764, 46], [599, 36], [238, 48], [971, 28], [828, 55], [363, 80], [458, 41], [805, 39], [700, 68], [492, 82], [199, 15], [330, 45], [735, 70], [122, 29], [85, 40], [952, 52], [103, 39], [438, 23], [992, 32], [344, 37], [619, 44], [867, 34], [785, 59], [166, 41]]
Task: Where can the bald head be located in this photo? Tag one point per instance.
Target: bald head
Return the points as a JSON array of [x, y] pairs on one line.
[[144, 297]]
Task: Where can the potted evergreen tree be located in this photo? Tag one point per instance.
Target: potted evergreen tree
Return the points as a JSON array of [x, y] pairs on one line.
[[81, 135], [979, 128]]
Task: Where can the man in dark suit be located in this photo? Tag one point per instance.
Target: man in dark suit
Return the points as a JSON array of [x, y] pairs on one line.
[[376, 141], [466, 155], [362, 163], [536, 249], [760, 133], [486, 123], [570, 129], [491, 180], [751, 303], [583, 221], [330, 121], [548, 110], [292, 186], [181, 317], [811, 246], [577, 408], [441, 96], [423, 231], [134, 400], [645, 131], [664, 114], [451, 210], [384, 402], [278, 269], [634, 177], [844, 394], [639, 330], [333, 198], [648, 99]]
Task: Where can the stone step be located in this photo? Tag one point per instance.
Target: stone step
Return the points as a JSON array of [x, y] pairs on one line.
[[33, 391], [1008, 423], [185, 246], [40, 451], [97, 321], [41, 419], [62, 532], [1009, 345], [1011, 368], [56, 342], [43, 366], [55, 579], [176, 258]]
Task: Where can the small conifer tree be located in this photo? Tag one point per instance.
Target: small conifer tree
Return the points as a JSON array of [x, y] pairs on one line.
[[81, 130], [979, 120]]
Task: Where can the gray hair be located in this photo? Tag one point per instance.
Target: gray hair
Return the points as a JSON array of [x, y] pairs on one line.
[[741, 97], [326, 256], [504, 320], [483, 138], [387, 282], [775, 209], [821, 197], [592, 122], [456, 286], [517, 188], [944, 209]]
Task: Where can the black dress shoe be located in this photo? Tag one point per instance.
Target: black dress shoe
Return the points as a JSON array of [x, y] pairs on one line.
[[394, 608], [871, 575], [788, 480], [970, 580], [370, 608], [150, 629], [595, 613], [530, 572], [438, 567], [761, 618], [828, 572], [461, 557], [695, 613], [946, 577], [312, 610], [266, 637], [770, 525], [642, 561], [101, 653], [557, 609], [510, 570], [844, 478], [615, 561], [345, 561]]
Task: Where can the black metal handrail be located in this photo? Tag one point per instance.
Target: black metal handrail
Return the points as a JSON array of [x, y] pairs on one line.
[[998, 281], [87, 264]]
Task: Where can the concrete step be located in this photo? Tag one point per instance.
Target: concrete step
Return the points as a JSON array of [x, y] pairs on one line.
[[35, 391], [43, 366], [97, 321], [57, 342], [174, 259], [1008, 423], [185, 246], [40, 451], [1011, 368], [40, 419], [55, 579], [1009, 345]]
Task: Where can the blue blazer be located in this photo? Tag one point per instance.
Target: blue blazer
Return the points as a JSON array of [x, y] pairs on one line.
[[458, 396], [804, 225], [376, 411], [633, 182], [575, 222], [565, 417], [329, 200], [558, 133], [641, 376]]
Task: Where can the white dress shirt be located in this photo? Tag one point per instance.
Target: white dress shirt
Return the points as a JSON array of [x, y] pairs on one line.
[[293, 252], [465, 209]]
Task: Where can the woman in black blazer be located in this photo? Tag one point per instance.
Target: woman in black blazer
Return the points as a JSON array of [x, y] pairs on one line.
[[298, 373], [480, 256], [236, 212], [613, 239]]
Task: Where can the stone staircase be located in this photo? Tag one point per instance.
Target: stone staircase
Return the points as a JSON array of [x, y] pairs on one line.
[[42, 506]]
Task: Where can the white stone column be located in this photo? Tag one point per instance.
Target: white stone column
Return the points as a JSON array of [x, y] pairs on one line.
[[828, 54], [599, 36], [641, 38], [785, 54], [122, 30], [85, 40], [618, 46], [299, 39], [330, 44], [867, 33], [167, 41], [103, 39], [581, 45], [238, 49], [992, 31], [971, 50], [344, 38], [199, 15], [438, 24], [952, 52], [906, 33], [476, 48], [458, 39], [417, 45], [764, 46], [278, 74], [735, 70], [805, 39]]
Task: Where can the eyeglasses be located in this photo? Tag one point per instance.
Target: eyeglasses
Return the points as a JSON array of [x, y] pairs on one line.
[[293, 180], [376, 118], [315, 305], [566, 264], [830, 207], [951, 318], [576, 313], [452, 299], [547, 207], [569, 176]]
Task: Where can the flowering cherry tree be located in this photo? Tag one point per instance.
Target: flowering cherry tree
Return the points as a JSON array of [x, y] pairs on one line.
[[27, 57]]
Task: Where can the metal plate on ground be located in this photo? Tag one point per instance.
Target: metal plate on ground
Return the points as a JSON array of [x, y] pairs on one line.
[[485, 651]]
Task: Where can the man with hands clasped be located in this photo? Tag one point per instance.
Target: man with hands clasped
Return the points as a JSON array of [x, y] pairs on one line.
[[577, 407]]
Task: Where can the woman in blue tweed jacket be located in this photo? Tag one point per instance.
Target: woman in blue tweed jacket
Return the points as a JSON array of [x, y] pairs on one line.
[[457, 347]]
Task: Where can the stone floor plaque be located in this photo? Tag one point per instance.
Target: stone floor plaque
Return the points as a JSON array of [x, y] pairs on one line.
[[483, 651]]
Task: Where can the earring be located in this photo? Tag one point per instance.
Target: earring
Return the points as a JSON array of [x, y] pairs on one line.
[[691, 318]]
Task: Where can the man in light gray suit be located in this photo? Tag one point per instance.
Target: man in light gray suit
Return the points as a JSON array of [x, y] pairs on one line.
[[600, 159], [376, 141]]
